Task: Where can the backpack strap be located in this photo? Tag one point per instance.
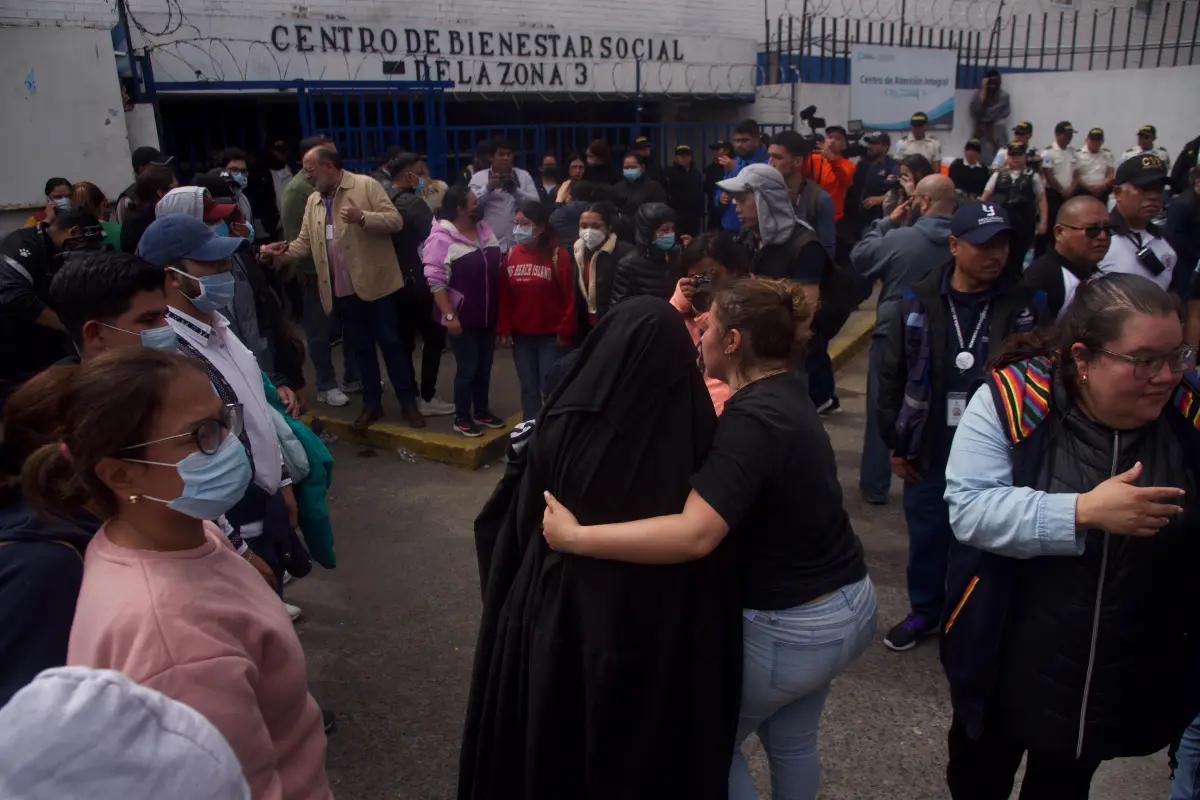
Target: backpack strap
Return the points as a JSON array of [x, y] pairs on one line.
[[1022, 391]]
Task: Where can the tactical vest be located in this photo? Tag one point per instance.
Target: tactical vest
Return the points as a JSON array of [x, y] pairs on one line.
[[1014, 193]]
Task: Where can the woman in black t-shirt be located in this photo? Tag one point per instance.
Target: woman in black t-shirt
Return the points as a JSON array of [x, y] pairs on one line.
[[770, 481]]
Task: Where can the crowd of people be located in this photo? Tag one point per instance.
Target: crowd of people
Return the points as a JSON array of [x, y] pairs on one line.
[[670, 332]]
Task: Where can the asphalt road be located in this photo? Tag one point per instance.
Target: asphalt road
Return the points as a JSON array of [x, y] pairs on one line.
[[389, 637]]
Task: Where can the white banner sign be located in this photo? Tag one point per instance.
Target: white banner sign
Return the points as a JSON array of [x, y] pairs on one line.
[[890, 84]]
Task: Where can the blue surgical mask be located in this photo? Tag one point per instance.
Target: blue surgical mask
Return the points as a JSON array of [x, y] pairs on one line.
[[665, 242], [212, 484], [216, 291], [420, 187], [62, 203], [239, 178], [249, 231], [163, 338], [220, 229], [632, 174], [523, 233]]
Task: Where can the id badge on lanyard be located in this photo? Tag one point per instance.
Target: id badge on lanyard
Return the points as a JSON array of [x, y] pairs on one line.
[[329, 235]]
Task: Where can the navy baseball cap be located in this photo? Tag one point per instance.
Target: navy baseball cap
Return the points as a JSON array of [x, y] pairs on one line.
[[977, 223], [177, 236]]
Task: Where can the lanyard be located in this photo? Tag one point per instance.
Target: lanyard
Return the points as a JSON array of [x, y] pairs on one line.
[[328, 209], [969, 346]]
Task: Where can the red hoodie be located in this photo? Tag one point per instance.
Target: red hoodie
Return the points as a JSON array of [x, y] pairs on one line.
[[536, 294]]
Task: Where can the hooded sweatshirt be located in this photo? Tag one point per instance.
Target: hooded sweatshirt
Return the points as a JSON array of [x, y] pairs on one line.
[[898, 257], [647, 270], [536, 295], [78, 732], [468, 270]]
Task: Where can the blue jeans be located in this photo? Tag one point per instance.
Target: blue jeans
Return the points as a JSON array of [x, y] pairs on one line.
[[534, 356], [875, 470], [366, 325], [1187, 775], [789, 659], [473, 352], [317, 328], [929, 540], [820, 371]]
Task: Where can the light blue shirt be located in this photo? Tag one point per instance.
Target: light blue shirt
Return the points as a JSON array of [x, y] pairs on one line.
[[500, 206], [989, 513]]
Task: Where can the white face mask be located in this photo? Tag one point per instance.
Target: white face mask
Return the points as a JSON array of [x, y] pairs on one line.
[[593, 239]]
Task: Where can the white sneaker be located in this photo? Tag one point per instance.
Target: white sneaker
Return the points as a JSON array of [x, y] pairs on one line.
[[334, 397], [435, 407], [287, 577], [293, 612]]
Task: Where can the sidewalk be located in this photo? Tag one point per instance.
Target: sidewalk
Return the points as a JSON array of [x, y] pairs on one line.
[[439, 442]]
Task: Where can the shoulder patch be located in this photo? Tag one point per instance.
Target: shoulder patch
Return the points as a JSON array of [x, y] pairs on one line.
[[1024, 391]]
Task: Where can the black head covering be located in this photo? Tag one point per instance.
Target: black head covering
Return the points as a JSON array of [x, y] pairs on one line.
[[649, 218]]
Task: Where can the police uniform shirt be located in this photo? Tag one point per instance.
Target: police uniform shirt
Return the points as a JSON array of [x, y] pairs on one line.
[[1122, 256], [1039, 185], [1092, 167], [928, 147], [1161, 152], [1061, 161]]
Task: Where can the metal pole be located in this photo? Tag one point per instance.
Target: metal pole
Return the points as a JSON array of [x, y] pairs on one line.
[[1179, 31], [1191, 48], [1092, 46], [1162, 38], [1128, 31], [1058, 43], [1145, 35], [791, 76], [1028, 29], [1042, 53], [637, 89], [1112, 28], [1012, 40], [123, 16]]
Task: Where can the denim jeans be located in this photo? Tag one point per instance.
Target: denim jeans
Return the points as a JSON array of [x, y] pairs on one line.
[[371, 324], [534, 356], [875, 470], [929, 540], [1186, 785], [317, 328], [820, 371], [789, 659], [473, 352]]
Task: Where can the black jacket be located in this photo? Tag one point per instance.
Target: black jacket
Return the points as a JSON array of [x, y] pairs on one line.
[[25, 346], [685, 190], [606, 265], [418, 220], [647, 270], [1045, 274], [137, 219], [1183, 234], [565, 221], [632, 195], [1185, 161]]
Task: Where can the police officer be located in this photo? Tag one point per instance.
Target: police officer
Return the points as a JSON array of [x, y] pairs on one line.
[[916, 142], [1022, 192], [1059, 162], [641, 148], [1095, 167], [874, 176], [1145, 144], [1022, 132], [1137, 245]]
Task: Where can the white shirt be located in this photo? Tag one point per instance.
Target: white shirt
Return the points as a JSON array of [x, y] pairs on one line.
[[1039, 185], [929, 147], [1092, 167], [1061, 161], [500, 206], [1161, 152], [230, 359], [1122, 256]]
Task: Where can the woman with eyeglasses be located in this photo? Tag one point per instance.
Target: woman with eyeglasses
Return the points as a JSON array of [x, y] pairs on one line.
[[148, 446], [1082, 233], [1071, 484]]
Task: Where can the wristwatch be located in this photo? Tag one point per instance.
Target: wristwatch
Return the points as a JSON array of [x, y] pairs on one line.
[[448, 317]]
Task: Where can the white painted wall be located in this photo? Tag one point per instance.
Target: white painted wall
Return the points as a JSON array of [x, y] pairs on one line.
[[62, 112]]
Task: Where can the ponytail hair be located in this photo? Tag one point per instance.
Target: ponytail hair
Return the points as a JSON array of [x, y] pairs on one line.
[[772, 315]]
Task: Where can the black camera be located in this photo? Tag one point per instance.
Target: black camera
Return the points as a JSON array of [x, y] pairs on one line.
[[508, 183], [1147, 258], [702, 299]]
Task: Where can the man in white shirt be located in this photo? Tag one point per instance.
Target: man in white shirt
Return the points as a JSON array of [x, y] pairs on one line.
[[1022, 192], [917, 142], [1137, 246], [1095, 166], [1145, 144], [1059, 162], [500, 189]]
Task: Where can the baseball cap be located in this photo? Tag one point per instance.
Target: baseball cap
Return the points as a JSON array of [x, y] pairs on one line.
[[1023, 127], [1064, 127], [641, 141], [753, 176], [918, 118], [876, 137], [214, 211], [721, 145], [1141, 170], [177, 236], [683, 150], [1017, 148], [977, 222], [1148, 130], [1096, 133], [218, 184], [974, 144], [145, 156]]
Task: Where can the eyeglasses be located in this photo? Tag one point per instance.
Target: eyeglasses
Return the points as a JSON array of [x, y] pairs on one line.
[[1179, 360], [208, 433], [1091, 231], [308, 170]]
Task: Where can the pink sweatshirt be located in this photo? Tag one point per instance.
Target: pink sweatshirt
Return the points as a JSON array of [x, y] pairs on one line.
[[202, 627], [717, 390]]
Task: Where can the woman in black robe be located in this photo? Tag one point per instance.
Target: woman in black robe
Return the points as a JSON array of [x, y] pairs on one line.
[[597, 679]]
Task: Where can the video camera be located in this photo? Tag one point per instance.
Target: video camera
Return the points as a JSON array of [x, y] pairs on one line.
[[854, 132]]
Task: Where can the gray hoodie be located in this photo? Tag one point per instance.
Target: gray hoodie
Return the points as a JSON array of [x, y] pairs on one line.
[[899, 257], [776, 215]]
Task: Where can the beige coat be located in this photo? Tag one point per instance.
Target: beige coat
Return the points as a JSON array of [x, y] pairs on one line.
[[369, 253]]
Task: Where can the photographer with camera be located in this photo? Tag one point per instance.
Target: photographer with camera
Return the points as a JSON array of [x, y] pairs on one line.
[[500, 189], [1137, 244], [989, 110]]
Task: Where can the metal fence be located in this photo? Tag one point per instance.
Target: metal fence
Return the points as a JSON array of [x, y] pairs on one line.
[[816, 49]]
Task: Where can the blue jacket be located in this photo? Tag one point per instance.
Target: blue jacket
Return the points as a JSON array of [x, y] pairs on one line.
[[729, 217]]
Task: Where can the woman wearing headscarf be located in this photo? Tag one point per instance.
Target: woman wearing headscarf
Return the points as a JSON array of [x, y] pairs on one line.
[[652, 267], [593, 678]]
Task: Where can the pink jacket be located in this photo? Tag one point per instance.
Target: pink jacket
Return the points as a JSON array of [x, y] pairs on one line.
[[717, 390], [202, 627]]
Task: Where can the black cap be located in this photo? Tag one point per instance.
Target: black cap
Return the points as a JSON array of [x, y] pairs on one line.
[[977, 223], [641, 141], [1017, 149], [145, 156], [1064, 127], [1023, 127], [918, 118], [877, 137], [721, 145], [218, 184], [1096, 133], [1148, 130], [974, 144], [683, 150], [1141, 170]]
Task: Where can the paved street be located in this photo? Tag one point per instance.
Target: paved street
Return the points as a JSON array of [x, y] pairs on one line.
[[389, 637]]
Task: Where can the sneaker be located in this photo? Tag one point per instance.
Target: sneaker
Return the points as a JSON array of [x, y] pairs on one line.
[[287, 577], [293, 612], [489, 420], [467, 428], [874, 499], [353, 387], [435, 407], [830, 407], [334, 397], [906, 635]]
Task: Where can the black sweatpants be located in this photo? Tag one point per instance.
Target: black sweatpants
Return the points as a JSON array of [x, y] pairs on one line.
[[415, 311], [985, 770]]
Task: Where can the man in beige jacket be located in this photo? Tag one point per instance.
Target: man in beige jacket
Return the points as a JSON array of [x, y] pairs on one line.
[[347, 230]]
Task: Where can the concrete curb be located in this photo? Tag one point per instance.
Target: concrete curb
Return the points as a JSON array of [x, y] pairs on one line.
[[451, 448]]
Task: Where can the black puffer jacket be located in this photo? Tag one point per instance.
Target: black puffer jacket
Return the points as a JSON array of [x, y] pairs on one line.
[[632, 195], [647, 270]]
